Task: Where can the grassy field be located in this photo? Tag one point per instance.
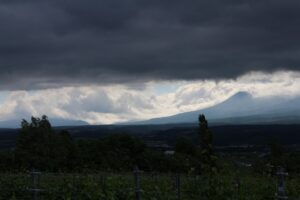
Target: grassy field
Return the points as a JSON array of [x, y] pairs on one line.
[[108, 186]]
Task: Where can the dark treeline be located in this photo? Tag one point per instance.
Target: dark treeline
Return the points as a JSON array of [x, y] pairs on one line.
[[40, 147]]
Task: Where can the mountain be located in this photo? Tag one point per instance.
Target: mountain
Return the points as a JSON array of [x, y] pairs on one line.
[[241, 108], [16, 123]]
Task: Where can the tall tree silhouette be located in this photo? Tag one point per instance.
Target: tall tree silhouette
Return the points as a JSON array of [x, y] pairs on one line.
[[208, 159]]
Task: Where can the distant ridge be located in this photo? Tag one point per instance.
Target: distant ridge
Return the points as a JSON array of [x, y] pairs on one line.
[[55, 122], [241, 108]]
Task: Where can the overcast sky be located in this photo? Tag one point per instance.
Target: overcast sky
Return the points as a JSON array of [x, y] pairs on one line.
[[113, 60]]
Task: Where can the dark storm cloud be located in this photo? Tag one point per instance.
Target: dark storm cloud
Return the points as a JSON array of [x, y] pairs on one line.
[[55, 43]]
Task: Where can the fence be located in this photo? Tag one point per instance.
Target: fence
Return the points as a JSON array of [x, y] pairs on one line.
[[138, 186]]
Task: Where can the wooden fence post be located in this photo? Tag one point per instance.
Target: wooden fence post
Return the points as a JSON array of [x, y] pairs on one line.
[[237, 185], [281, 194], [178, 184], [137, 181], [35, 177]]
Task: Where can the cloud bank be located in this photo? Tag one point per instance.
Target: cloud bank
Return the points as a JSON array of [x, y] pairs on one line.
[[53, 44], [118, 103]]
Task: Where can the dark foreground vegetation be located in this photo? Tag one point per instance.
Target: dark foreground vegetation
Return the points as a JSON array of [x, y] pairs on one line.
[[103, 168], [229, 185]]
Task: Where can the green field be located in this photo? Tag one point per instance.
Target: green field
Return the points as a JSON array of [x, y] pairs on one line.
[[109, 186]]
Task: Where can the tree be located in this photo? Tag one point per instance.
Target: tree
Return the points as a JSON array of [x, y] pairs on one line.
[[114, 152], [124, 151], [208, 159], [33, 147], [277, 154], [185, 146], [64, 151]]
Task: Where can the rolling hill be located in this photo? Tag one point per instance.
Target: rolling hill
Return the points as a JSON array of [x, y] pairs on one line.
[[241, 108]]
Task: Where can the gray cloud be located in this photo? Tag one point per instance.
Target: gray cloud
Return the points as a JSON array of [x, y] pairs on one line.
[[57, 43]]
